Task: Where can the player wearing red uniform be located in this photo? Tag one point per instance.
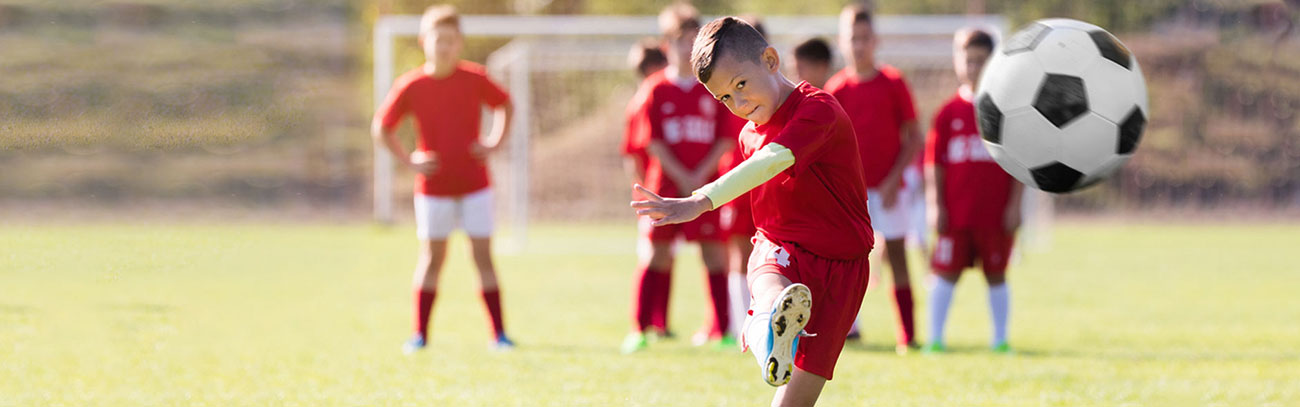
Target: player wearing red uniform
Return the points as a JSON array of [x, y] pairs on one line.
[[978, 203], [451, 183], [647, 58], [686, 141], [803, 171], [884, 119]]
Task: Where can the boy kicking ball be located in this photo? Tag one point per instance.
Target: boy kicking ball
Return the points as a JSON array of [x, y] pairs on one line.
[[809, 205]]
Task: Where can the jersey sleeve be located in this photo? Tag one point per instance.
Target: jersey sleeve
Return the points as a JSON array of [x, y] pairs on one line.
[[807, 133], [493, 95], [653, 117], [394, 107], [938, 137], [634, 137], [903, 99]]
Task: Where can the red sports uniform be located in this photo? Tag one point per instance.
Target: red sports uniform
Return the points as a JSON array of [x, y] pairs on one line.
[[975, 193], [636, 135], [812, 218], [447, 112], [690, 123], [878, 108]]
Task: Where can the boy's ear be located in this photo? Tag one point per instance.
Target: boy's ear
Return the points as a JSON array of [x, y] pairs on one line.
[[771, 60]]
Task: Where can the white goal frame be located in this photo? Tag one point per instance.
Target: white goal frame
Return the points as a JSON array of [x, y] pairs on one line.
[[514, 59]]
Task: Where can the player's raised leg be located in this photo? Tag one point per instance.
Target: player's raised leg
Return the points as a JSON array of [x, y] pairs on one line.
[[803, 390]]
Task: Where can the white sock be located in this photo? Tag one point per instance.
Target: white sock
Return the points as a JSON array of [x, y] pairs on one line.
[[738, 289], [940, 299], [1000, 305], [756, 328]]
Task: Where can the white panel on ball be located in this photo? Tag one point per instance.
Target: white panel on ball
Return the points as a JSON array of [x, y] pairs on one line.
[[1012, 81], [1068, 23], [1029, 138], [1088, 142], [1107, 94], [1067, 51], [1008, 164]]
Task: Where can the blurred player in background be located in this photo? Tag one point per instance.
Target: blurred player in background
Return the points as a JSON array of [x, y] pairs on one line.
[[879, 102], [452, 187], [686, 141], [804, 173], [738, 219], [978, 203], [646, 58], [812, 62]]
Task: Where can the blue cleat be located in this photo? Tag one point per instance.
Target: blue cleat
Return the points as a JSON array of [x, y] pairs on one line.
[[790, 313], [502, 344], [415, 344]]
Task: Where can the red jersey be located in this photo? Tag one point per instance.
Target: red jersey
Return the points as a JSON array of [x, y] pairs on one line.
[[688, 121], [820, 202], [975, 189], [878, 108], [447, 117]]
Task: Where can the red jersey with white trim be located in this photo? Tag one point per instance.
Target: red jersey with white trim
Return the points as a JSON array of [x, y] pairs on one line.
[[820, 202], [878, 108], [975, 189], [683, 115], [447, 113]]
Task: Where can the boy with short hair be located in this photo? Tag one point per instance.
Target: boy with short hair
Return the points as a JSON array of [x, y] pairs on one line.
[[686, 141], [804, 174], [452, 185], [884, 118], [978, 203], [812, 61]]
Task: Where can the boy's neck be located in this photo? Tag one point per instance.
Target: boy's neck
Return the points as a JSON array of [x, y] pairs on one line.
[[864, 71], [438, 72], [786, 88], [676, 71]]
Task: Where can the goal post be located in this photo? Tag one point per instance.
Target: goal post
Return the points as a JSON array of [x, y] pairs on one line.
[[587, 45]]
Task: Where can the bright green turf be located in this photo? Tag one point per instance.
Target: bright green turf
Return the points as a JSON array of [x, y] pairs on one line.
[[315, 315]]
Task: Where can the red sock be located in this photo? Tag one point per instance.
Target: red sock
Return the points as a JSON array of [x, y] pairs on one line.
[[492, 300], [663, 287], [718, 293], [644, 305], [903, 302], [423, 307]]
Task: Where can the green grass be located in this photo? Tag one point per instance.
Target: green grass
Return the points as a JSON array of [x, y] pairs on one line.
[[155, 314]]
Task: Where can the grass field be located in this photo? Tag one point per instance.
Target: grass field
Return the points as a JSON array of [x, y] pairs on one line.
[[306, 315]]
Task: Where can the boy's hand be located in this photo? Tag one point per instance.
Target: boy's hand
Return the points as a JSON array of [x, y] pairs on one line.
[[1011, 218], [424, 162], [667, 211], [889, 191]]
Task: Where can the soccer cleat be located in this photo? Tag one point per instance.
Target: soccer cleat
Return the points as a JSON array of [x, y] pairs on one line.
[[635, 342], [1002, 348], [415, 344], [502, 344], [790, 313], [727, 343], [933, 349]]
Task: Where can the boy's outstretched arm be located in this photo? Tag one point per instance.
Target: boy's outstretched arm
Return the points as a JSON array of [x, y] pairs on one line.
[[754, 171]]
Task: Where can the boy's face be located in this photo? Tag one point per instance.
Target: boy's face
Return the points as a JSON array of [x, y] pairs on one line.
[[750, 89], [814, 72], [969, 62], [442, 44], [858, 41], [680, 47]]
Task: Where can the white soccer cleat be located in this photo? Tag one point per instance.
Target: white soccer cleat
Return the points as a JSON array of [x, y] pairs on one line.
[[790, 313]]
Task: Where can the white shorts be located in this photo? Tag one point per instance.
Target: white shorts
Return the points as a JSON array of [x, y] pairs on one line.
[[437, 216], [890, 223]]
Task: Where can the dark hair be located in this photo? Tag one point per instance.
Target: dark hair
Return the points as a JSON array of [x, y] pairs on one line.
[[756, 22], [815, 49], [978, 38], [645, 55], [677, 19], [861, 13], [721, 37]]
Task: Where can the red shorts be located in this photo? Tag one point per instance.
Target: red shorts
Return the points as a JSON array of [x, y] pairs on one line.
[[738, 217], [837, 288], [707, 227], [958, 249]]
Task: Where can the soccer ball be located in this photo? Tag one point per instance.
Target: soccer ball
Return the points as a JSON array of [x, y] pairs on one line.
[[1061, 105]]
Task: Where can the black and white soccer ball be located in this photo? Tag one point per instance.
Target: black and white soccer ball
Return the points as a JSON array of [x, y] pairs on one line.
[[1061, 105]]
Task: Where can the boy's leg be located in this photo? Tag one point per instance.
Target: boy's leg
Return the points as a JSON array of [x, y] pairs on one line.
[[476, 216], [714, 255], [940, 302], [803, 390], [1000, 307], [738, 286], [433, 253], [651, 302], [994, 248], [896, 254]]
